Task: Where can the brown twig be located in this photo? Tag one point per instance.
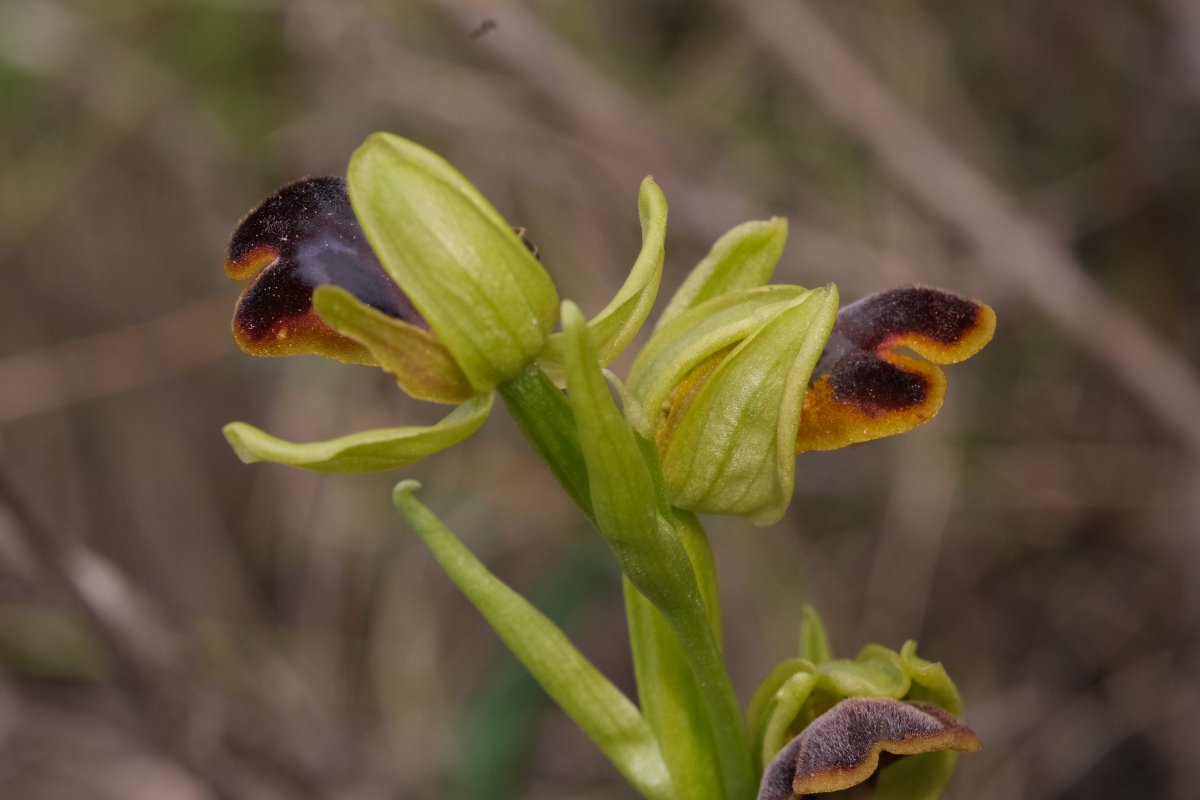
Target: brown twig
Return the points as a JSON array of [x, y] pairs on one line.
[[1010, 244], [148, 655], [226, 753], [114, 361]]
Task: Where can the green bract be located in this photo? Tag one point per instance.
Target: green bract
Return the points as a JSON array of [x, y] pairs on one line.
[[598, 707], [484, 295]]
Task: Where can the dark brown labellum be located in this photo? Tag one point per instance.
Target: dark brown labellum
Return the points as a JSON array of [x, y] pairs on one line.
[[303, 236]]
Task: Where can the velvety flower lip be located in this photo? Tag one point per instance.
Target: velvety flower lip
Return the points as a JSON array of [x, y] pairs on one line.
[[303, 236], [841, 748], [862, 390]]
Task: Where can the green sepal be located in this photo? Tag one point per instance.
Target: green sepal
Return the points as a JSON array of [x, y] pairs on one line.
[[875, 672], [676, 349], [763, 704], [931, 683], [814, 642], [784, 708], [734, 450], [615, 326], [743, 258], [600, 709], [484, 295], [366, 451], [421, 364]]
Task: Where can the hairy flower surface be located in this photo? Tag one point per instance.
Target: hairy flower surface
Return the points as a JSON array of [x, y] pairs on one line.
[[841, 748], [303, 236], [863, 390]]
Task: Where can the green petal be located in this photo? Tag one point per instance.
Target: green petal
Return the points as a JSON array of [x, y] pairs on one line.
[[785, 706], [596, 706], [367, 451], [762, 703], [614, 328], [733, 452], [676, 349], [422, 366], [483, 293], [743, 258]]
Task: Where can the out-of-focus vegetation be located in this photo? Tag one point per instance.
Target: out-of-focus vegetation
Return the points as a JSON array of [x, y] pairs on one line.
[[175, 625]]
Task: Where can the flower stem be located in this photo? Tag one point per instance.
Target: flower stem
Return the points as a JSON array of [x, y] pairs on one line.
[[543, 415], [546, 418]]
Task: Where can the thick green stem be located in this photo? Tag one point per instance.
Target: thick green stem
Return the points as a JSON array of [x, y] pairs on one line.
[[671, 701], [542, 413], [546, 418], [720, 702]]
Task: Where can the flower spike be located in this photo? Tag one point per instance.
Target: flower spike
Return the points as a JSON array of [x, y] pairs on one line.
[[861, 390], [303, 236]]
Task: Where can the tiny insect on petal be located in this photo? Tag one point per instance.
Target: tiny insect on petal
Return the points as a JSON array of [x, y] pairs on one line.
[[303, 236], [841, 748], [861, 390]]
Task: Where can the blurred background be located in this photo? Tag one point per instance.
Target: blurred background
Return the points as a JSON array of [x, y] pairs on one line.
[[175, 625]]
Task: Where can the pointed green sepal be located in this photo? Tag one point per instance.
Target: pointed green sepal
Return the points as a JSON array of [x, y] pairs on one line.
[[421, 364], [730, 444], [590, 699], [743, 258], [366, 451], [615, 326], [676, 351], [484, 295]]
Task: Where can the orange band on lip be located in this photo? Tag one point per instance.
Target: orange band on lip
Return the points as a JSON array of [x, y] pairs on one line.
[[303, 236], [861, 390]]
